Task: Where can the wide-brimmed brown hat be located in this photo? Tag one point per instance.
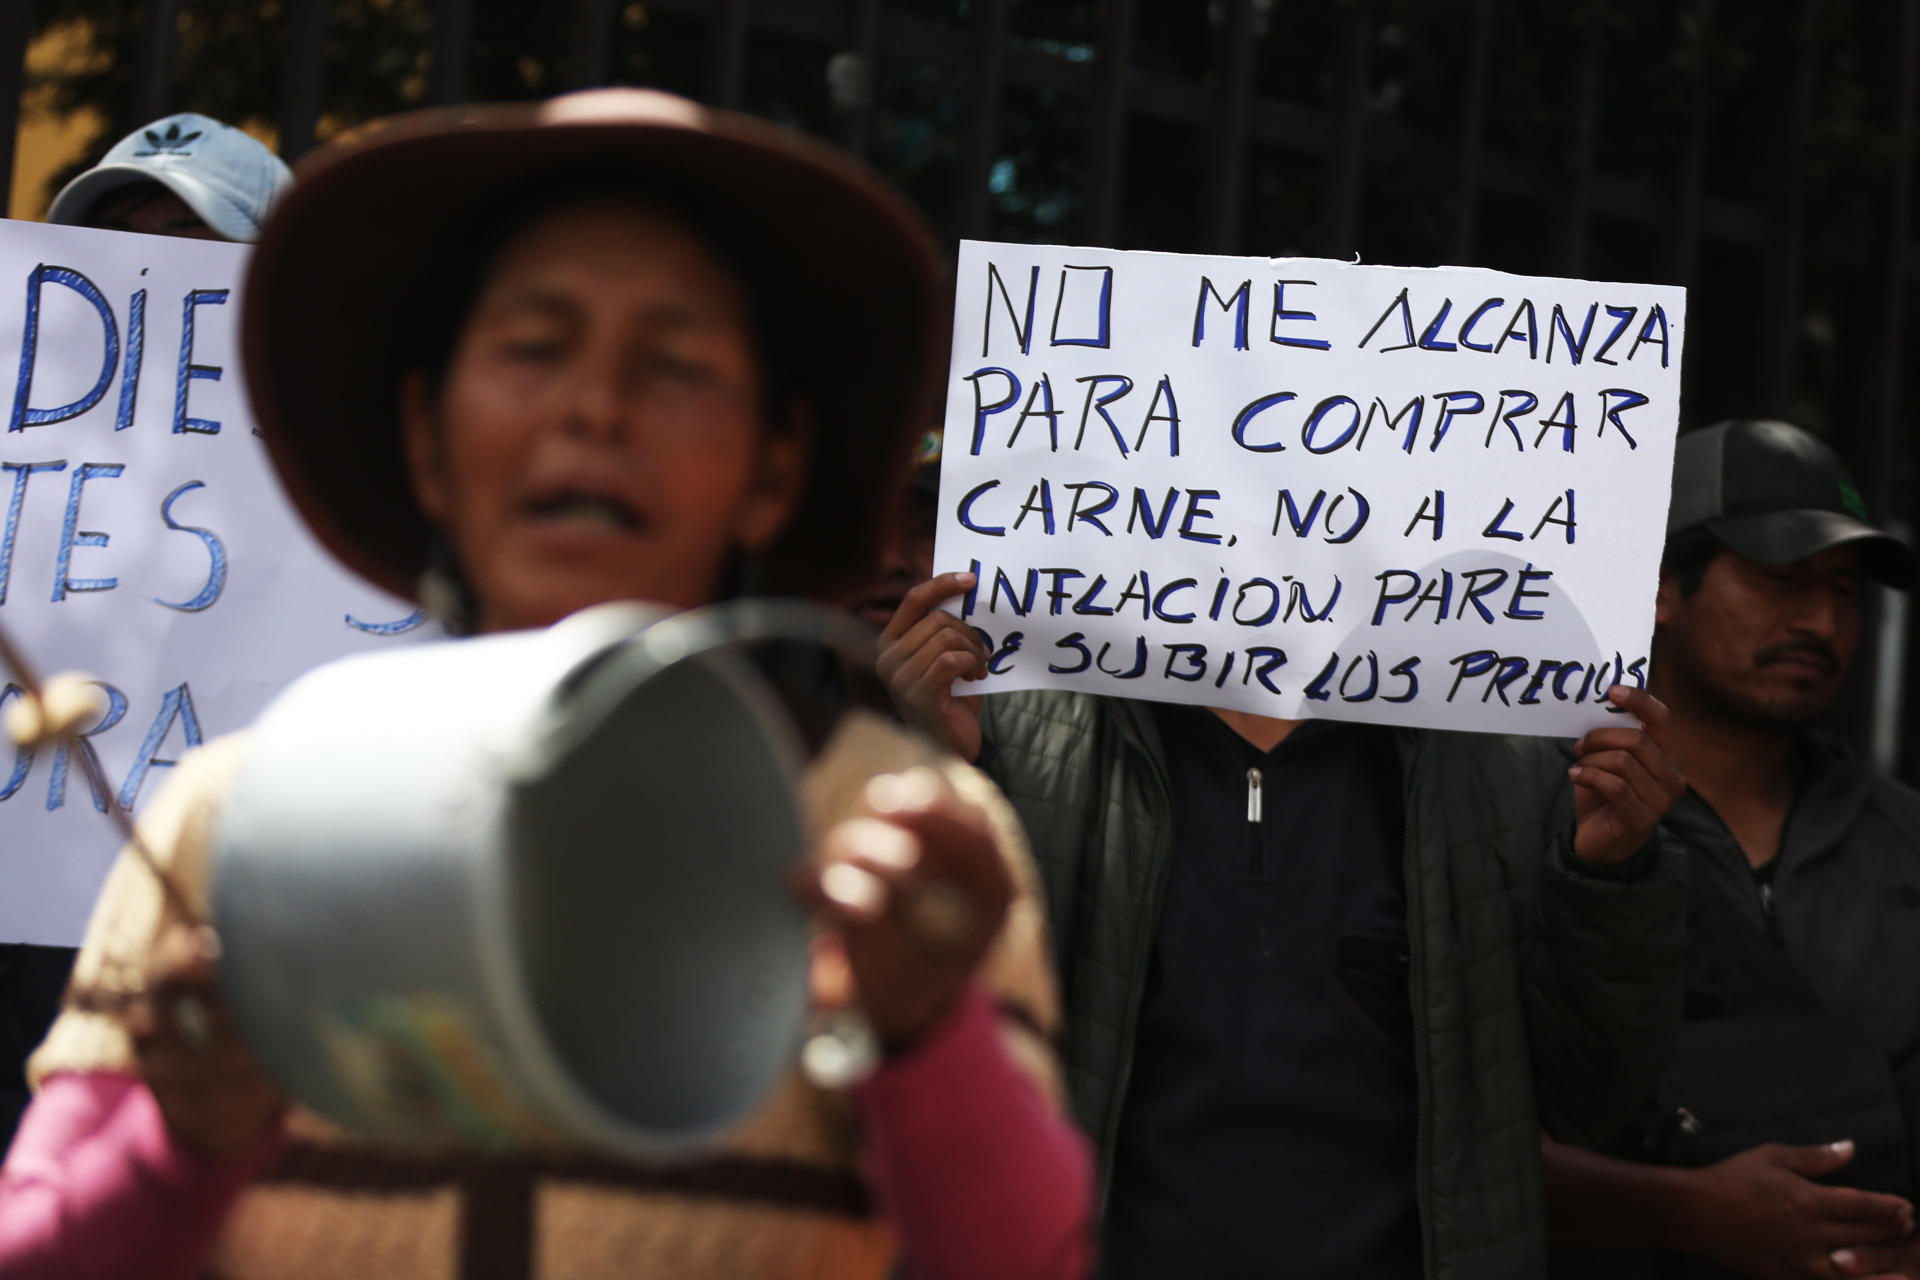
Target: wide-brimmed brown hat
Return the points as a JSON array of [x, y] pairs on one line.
[[339, 281]]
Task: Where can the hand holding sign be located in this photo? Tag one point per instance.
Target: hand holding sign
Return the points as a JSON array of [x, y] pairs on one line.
[[924, 652], [1624, 780]]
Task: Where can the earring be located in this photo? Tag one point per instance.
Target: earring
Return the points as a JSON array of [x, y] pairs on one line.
[[444, 591]]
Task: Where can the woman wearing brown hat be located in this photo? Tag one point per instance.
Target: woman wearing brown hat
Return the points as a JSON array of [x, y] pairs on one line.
[[518, 362]]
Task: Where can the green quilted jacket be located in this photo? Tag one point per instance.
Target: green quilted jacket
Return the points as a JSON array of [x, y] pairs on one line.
[[1544, 995]]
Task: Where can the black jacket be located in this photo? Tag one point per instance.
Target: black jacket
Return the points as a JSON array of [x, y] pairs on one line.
[[1802, 1014], [1543, 992]]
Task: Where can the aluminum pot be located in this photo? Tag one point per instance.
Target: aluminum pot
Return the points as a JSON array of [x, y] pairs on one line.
[[522, 890]]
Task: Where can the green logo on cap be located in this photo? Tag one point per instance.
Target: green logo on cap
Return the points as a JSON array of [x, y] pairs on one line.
[[1850, 499]]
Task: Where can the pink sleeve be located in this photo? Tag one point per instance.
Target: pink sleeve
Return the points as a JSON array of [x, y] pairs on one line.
[[96, 1186], [974, 1169]]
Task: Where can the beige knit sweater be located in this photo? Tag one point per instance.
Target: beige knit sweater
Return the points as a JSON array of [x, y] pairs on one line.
[[780, 1197]]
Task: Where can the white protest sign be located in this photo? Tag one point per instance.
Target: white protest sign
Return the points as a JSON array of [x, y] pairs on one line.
[[1305, 488], [146, 540]]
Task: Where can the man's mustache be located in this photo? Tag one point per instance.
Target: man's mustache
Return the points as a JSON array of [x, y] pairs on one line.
[[1821, 654]]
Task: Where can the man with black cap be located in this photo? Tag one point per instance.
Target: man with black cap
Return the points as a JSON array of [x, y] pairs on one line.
[[1781, 1139]]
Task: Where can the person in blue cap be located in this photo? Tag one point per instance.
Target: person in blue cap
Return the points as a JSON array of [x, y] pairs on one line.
[[184, 175]]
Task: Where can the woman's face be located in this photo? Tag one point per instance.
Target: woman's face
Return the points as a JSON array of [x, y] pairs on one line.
[[599, 432]]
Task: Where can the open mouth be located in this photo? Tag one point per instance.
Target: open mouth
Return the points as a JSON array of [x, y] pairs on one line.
[[591, 510]]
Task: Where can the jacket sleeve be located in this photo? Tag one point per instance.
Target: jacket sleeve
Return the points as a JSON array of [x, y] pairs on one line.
[[979, 1173], [1030, 754], [1602, 967]]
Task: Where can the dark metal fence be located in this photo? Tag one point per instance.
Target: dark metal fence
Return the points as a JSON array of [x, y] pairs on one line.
[[1778, 187]]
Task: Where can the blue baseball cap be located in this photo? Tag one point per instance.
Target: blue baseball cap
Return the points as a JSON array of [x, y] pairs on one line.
[[225, 176]]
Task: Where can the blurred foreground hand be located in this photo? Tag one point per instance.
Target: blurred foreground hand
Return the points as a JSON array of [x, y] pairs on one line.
[[215, 1096], [915, 894]]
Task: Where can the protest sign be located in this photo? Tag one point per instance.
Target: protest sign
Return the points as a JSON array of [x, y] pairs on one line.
[[146, 540], [1309, 489]]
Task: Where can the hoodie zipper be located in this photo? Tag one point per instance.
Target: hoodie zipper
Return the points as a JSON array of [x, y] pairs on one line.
[[1254, 780]]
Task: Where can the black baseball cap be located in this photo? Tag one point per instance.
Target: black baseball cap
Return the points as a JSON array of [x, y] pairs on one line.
[[1777, 495]]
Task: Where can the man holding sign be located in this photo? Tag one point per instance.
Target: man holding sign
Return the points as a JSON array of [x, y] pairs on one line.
[[187, 176], [1325, 981]]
